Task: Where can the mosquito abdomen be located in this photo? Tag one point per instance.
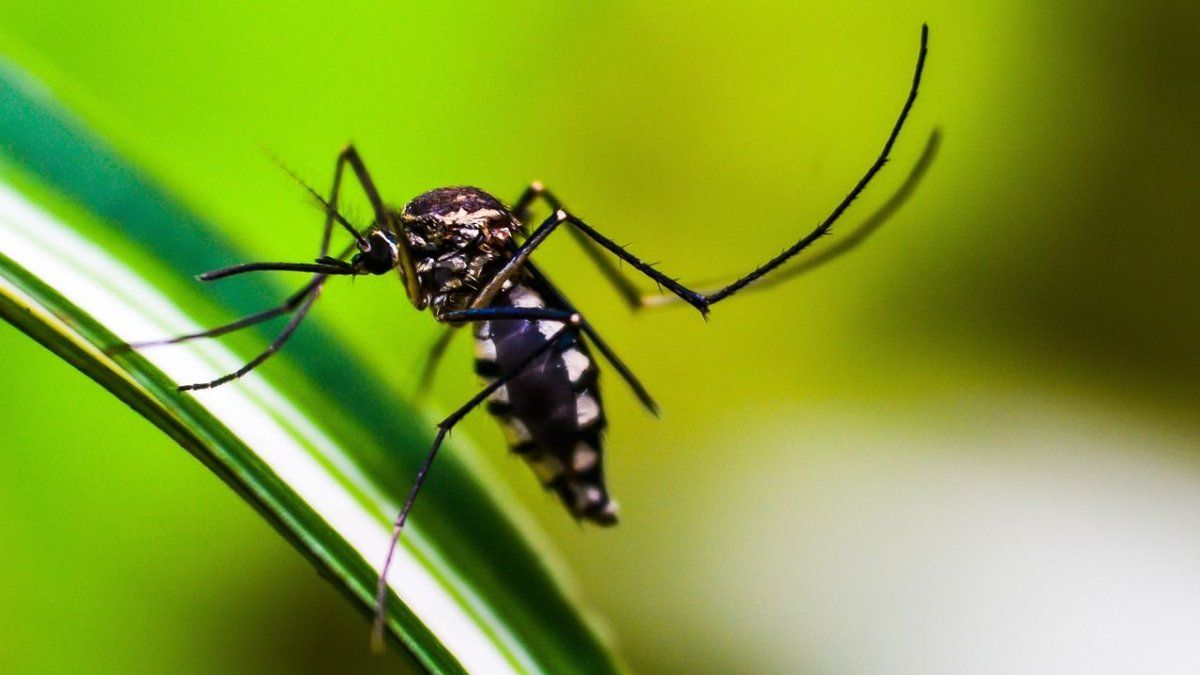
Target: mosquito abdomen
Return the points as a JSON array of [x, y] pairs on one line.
[[551, 412]]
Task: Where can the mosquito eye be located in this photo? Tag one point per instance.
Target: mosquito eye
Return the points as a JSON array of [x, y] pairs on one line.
[[379, 257]]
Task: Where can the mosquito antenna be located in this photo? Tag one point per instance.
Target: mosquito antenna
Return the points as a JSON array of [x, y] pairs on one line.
[[329, 209]]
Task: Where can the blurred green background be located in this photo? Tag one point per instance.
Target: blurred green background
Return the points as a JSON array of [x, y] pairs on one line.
[[970, 446]]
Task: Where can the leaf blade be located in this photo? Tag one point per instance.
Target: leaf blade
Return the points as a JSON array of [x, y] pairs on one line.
[[493, 574]]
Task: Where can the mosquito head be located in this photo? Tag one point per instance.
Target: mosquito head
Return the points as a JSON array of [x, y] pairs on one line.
[[378, 253]]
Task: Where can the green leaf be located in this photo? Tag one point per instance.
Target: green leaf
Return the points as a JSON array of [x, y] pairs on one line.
[[82, 233]]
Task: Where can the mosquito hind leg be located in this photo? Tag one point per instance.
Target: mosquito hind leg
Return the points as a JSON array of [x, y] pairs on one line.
[[637, 299], [703, 301]]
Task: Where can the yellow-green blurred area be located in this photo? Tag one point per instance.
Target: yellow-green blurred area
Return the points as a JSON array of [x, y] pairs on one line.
[[970, 446]]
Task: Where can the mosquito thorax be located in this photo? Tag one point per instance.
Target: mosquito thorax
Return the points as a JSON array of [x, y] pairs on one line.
[[458, 238]]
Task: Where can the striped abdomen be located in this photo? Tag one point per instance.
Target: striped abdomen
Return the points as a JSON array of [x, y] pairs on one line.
[[551, 412]]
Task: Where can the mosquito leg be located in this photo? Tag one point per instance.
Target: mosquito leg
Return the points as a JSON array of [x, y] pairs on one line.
[[570, 316], [626, 374], [279, 341], [628, 291], [287, 307], [686, 294], [443, 340], [444, 427], [326, 267], [824, 227], [847, 243], [702, 301], [637, 299], [510, 313], [521, 259], [872, 223], [535, 190], [299, 302], [624, 287], [349, 155], [548, 226], [515, 263]]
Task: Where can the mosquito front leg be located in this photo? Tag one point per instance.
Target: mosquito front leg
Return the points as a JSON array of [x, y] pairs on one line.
[[325, 266], [275, 345], [299, 302], [330, 265], [287, 307]]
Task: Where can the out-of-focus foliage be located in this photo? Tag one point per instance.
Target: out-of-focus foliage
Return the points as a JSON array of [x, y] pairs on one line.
[[990, 402]]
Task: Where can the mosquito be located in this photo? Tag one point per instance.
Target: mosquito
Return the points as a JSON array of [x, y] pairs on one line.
[[464, 255]]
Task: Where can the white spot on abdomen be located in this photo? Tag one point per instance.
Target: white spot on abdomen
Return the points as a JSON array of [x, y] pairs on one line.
[[583, 457], [577, 363], [587, 410], [485, 350], [586, 496]]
